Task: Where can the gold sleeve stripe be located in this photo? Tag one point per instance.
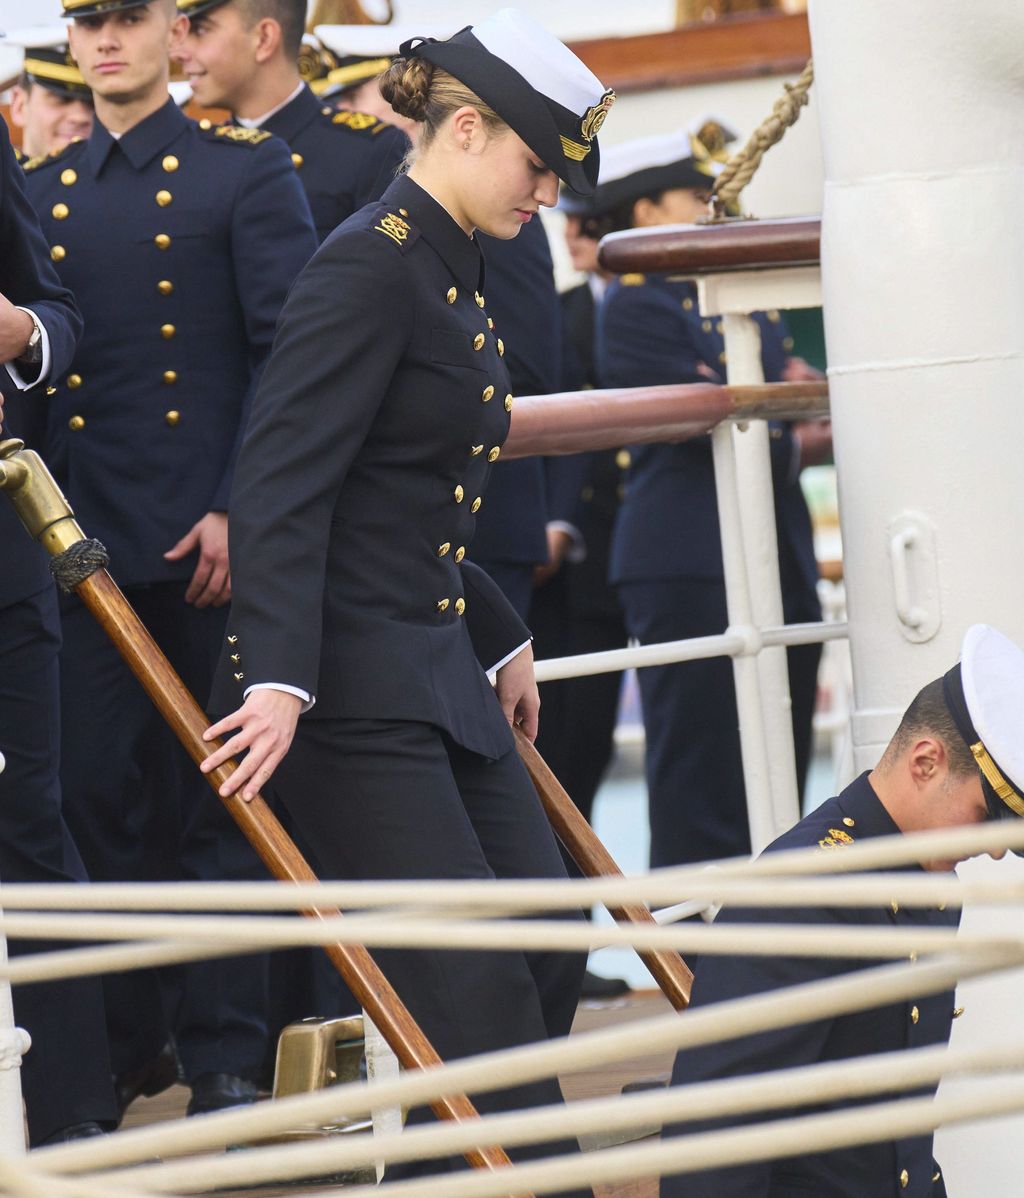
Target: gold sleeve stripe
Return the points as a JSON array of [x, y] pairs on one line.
[[996, 780], [574, 150]]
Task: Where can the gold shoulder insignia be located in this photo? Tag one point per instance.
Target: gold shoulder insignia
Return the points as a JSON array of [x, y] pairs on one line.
[[632, 280], [394, 227], [360, 121], [31, 164], [835, 839], [236, 133]]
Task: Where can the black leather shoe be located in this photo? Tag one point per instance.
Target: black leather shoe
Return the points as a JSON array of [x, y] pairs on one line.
[[218, 1091], [595, 986], [154, 1077], [75, 1131]]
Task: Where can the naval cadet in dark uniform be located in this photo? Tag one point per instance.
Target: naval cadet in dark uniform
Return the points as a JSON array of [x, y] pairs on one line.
[[243, 55], [955, 760], [51, 103], [65, 1075], [355, 499], [180, 241], [666, 555]]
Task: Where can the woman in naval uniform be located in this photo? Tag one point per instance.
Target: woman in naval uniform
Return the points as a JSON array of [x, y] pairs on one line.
[[383, 406]]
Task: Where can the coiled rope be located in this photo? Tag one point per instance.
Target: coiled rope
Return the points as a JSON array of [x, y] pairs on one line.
[[742, 166]]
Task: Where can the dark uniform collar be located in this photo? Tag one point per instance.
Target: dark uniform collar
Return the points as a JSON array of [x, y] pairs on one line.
[[461, 254], [864, 807], [290, 120], [142, 142]]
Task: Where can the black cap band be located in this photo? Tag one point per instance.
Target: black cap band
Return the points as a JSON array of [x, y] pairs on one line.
[[550, 130]]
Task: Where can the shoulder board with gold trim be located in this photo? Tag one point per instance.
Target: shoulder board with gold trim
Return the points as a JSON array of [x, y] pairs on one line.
[[632, 280], [32, 164], [358, 122], [239, 135], [836, 839], [395, 227]]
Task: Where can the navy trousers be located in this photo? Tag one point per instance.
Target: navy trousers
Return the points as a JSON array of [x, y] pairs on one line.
[[395, 799], [66, 1074], [696, 798], [141, 811]]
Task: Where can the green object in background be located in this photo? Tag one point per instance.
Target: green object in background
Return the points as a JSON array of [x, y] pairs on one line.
[[807, 328]]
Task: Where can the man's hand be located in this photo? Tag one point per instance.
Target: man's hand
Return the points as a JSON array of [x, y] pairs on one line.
[[265, 726], [559, 544], [796, 370], [211, 582], [517, 692], [15, 330], [814, 438]]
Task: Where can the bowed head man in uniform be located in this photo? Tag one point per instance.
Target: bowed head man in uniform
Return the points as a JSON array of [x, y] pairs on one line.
[[956, 759]]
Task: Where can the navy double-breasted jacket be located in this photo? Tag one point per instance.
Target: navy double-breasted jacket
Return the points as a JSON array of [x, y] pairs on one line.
[[180, 243], [888, 1169], [383, 407], [28, 279], [344, 159]]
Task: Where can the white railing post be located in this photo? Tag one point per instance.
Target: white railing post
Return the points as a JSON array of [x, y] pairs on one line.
[[753, 742], [761, 550], [14, 1043]]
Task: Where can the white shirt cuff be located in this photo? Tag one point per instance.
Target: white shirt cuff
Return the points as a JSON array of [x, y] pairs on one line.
[[44, 364], [492, 673], [307, 699], [577, 551]]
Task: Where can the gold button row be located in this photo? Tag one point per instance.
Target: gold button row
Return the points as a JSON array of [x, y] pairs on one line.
[[171, 418], [460, 605], [459, 554]]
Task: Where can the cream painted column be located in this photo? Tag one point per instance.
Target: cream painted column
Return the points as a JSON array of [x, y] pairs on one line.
[[920, 103]]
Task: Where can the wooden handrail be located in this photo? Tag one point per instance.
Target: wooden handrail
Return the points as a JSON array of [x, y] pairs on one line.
[[738, 46], [715, 248], [577, 421]]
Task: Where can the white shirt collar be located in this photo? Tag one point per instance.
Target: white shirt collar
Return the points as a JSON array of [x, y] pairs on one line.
[[255, 122]]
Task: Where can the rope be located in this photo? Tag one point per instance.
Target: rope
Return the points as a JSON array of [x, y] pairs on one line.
[[78, 562], [742, 166], [802, 1086], [504, 1068]]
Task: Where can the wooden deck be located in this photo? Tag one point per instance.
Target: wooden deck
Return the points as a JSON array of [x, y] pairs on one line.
[[591, 1083]]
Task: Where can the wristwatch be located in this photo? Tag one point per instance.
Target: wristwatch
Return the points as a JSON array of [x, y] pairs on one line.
[[33, 354]]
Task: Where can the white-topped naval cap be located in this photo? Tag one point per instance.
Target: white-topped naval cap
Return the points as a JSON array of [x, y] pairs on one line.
[[547, 64], [644, 153], [992, 674]]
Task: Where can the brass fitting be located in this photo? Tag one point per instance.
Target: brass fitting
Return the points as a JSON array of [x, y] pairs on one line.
[[37, 499]]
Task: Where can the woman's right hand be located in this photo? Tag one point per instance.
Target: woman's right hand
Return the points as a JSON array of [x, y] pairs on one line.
[[265, 725]]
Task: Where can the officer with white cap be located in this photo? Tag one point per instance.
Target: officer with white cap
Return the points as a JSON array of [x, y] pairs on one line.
[[666, 554], [349, 536], [51, 102], [956, 759]]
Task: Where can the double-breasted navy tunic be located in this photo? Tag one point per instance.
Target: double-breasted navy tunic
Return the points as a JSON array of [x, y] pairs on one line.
[[344, 159], [372, 436], [180, 243]]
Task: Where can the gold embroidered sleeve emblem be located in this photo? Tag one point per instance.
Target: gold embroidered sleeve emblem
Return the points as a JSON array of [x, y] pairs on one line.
[[835, 839], [394, 227]]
